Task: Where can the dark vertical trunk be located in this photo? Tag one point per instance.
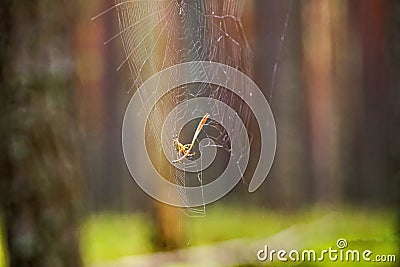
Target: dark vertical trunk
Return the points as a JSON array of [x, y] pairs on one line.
[[373, 23], [279, 28], [39, 169], [394, 128]]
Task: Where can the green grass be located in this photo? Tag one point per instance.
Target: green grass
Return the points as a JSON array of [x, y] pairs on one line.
[[3, 259], [130, 235], [224, 223], [106, 237]]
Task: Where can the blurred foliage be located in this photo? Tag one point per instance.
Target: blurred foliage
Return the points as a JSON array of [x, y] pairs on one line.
[[107, 237], [111, 236]]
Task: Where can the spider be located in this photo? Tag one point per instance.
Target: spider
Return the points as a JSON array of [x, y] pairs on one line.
[[182, 149], [185, 149]]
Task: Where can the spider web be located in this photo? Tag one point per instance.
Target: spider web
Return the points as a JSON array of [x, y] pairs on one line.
[[157, 34]]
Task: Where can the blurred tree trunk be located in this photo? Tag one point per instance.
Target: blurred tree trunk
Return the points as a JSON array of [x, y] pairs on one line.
[[394, 129], [90, 99], [373, 183], [347, 71], [290, 182], [322, 107], [38, 166]]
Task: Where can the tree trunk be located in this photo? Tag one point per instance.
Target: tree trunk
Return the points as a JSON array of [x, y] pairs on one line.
[[38, 166], [318, 77]]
